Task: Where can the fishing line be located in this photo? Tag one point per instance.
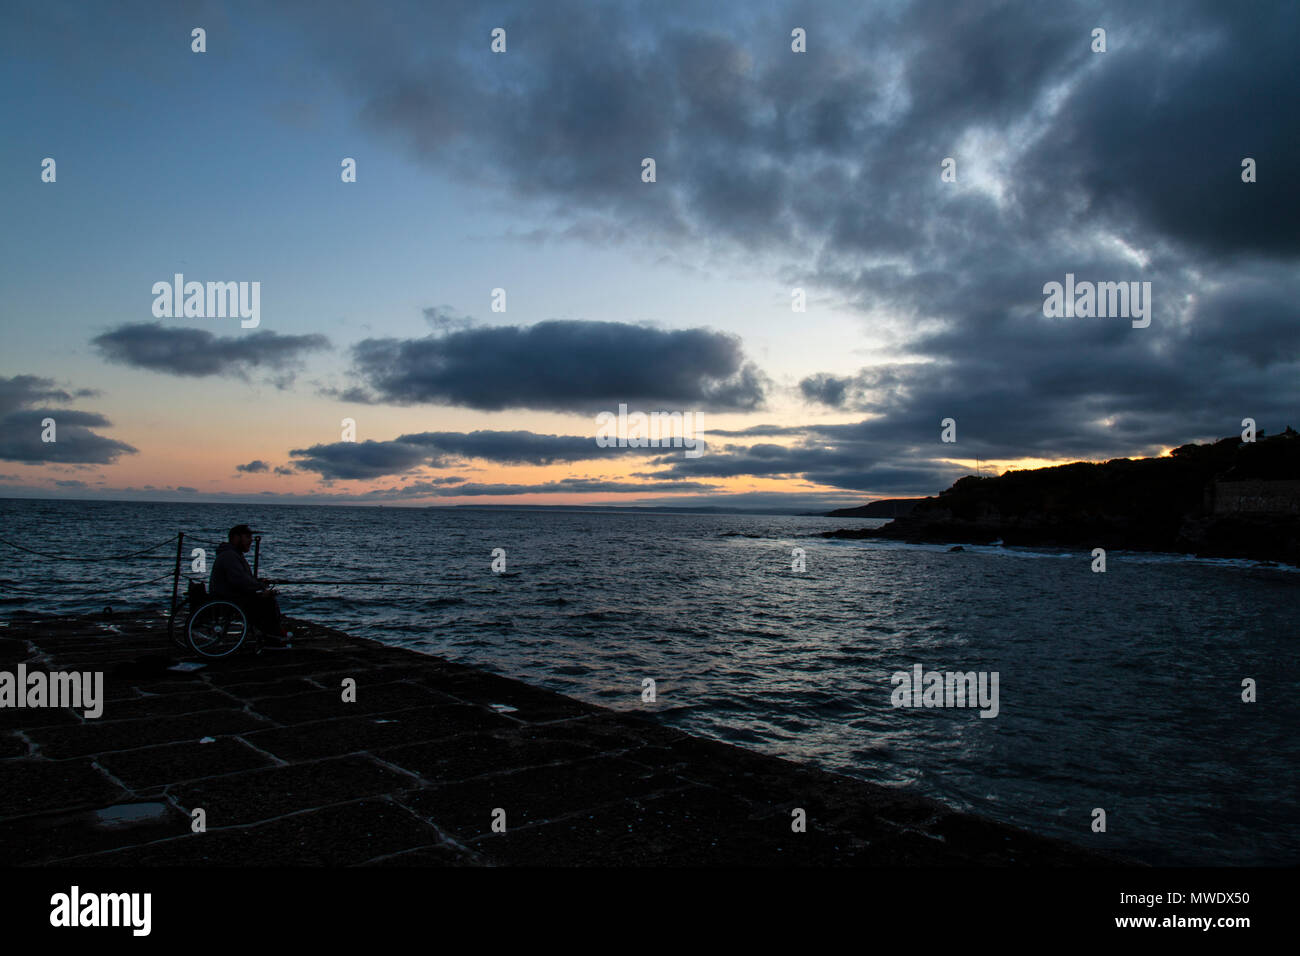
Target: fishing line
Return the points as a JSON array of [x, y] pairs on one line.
[[110, 557], [409, 584]]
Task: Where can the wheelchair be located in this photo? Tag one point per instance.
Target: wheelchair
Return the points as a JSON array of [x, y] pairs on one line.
[[213, 627]]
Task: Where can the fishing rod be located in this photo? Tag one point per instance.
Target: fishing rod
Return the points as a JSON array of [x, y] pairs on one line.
[[102, 557], [411, 584]]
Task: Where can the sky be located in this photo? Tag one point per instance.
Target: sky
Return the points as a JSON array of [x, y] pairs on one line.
[[775, 170]]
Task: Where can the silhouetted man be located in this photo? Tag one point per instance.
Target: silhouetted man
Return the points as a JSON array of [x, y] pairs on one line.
[[232, 580]]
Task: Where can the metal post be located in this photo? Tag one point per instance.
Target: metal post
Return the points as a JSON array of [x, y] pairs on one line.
[[176, 583], [257, 553]]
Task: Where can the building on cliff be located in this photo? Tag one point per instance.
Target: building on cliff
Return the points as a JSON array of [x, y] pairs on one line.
[[1253, 497]]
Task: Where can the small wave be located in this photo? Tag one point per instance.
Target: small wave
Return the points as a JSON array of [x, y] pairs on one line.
[[601, 616], [1023, 551], [741, 735]]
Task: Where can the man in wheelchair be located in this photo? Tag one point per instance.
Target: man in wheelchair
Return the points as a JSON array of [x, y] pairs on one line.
[[232, 580]]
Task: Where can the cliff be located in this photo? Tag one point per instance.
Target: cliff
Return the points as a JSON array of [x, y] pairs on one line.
[[1228, 498], [880, 508]]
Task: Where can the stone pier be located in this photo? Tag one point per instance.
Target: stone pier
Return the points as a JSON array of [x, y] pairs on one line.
[[412, 772]]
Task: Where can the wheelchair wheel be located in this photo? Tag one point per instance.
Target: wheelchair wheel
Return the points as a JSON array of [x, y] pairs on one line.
[[217, 628]]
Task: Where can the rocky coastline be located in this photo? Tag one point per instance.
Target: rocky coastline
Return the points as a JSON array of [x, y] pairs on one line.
[[1227, 499]]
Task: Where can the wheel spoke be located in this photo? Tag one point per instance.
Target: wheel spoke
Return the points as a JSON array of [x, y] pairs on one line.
[[217, 628]]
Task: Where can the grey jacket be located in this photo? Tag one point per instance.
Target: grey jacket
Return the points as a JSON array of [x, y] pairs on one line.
[[231, 575]]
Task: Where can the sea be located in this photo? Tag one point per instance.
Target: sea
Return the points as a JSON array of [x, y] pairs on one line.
[[1120, 691]]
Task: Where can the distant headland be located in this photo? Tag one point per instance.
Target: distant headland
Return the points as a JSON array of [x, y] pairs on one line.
[[1230, 498], [880, 508]]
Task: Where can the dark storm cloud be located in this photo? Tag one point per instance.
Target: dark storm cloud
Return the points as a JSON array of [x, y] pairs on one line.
[[372, 459], [563, 366], [798, 501], [758, 431], [517, 447], [1155, 141], [437, 489], [752, 141], [24, 390], [1115, 166], [1093, 388], [253, 466], [730, 461], [850, 457], [22, 425], [749, 138], [363, 459], [849, 462], [442, 480], [197, 352], [826, 389], [907, 480]]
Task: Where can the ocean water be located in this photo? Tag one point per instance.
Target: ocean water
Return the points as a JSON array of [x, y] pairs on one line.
[[1119, 690]]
